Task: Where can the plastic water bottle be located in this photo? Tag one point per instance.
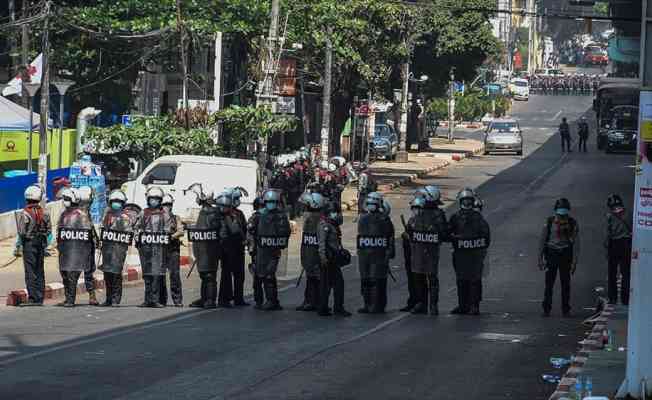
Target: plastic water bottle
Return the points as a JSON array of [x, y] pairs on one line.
[[588, 385]]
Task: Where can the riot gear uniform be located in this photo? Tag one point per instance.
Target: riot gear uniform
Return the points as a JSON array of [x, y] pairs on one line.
[[33, 234], [116, 237], [154, 228], [75, 242], [310, 261], [85, 198], [172, 260], [233, 235], [329, 237], [471, 237], [272, 231], [375, 245]]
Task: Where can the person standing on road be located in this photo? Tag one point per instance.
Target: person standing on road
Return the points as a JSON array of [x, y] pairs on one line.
[[471, 237], [375, 244], [206, 248], [558, 252], [232, 235], [272, 232], [116, 237], [564, 131], [34, 232], [329, 237], [252, 225], [75, 240], [618, 243], [85, 200], [310, 261], [172, 259], [583, 133], [154, 228], [426, 229]]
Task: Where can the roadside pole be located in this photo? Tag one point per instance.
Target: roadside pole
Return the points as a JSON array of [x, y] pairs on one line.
[[639, 345], [402, 155], [217, 81], [184, 65], [326, 114], [451, 107], [45, 104]]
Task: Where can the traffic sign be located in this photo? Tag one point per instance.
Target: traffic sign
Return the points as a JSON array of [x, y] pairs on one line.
[[126, 120]]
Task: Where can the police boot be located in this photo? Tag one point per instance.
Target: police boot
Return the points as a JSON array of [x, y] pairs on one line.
[[421, 293], [366, 289], [116, 288], [199, 303], [433, 294], [271, 294], [108, 290], [258, 292], [461, 298], [211, 293], [70, 291], [380, 302], [314, 294], [475, 294]]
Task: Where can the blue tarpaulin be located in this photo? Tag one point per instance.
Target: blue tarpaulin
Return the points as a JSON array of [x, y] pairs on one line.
[[12, 189]]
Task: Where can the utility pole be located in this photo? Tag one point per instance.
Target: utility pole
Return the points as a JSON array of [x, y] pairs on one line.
[[13, 40], [45, 103], [217, 83], [265, 92], [451, 107], [305, 124], [24, 54], [326, 114], [184, 65], [639, 346], [530, 46], [402, 155]]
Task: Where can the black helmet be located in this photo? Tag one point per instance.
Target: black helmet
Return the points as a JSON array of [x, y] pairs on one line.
[[258, 203], [562, 203], [615, 200]]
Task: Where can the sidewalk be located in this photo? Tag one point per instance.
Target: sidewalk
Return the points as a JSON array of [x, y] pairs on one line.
[[605, 365], [388, 174]]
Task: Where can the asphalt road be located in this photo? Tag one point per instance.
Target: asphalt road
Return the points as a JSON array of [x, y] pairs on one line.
[[131, 353]]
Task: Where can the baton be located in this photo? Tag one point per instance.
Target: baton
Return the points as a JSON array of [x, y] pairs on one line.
[[9, 263], [300, 276], [403, 222], [191, 269], [391, 274]]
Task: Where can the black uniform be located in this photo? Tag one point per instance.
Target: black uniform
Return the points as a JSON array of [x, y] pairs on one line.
[[619, 247], [154, 228], [407, 262], [172, 266], [272, 231], [233, 234], [330, 242], [34, 226], [375, 243], [564, 131], [425, 232], [75, 244], [470, 236], [117, 235], [583, 133], [559, 247], [205, 239]]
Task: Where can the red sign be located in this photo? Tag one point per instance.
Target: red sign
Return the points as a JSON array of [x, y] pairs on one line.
[[363, 110], [518, 60], [287, 77]]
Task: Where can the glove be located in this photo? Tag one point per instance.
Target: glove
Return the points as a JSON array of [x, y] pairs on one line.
[[18, 250]]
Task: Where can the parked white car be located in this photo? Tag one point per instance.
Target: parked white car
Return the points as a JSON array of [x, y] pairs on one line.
[[520, 89], [174, 174]]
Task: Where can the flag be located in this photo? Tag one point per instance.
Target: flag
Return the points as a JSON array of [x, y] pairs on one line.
[[15, 86]]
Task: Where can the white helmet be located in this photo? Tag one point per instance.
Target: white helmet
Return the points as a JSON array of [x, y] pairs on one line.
[[168, 200], [85, 194], [69, 194], [33, 193], [323, 165], [332, 167], [314, 201], [225, 199], [154, 191], [117, 195], [373, 202]]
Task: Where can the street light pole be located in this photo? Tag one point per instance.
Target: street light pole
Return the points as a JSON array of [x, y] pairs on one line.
[[62, 87], [45, 104], [326, 114], [31, 89], [451, 107]]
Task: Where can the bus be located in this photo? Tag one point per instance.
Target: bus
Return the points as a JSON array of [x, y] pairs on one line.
[[613, 92]]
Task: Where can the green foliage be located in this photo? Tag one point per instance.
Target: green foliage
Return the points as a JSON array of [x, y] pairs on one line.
[[503, 105], [601, 8], [470, 106], [153, 137], [244, 125]]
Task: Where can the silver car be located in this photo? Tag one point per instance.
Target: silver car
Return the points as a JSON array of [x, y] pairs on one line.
[[503, 136]]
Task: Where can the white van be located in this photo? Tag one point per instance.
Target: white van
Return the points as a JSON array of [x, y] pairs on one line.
[[174, 174], [520, 89]]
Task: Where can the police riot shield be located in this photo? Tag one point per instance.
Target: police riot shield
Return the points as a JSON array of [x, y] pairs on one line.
[[75, 247], [310, 261], [205, 247], [116, 237], [152, 249], [272, 239]]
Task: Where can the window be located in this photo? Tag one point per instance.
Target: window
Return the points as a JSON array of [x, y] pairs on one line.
[[163, 174], [503, 127]]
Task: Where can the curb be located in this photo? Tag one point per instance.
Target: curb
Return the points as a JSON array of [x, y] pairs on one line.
[[351, 204], [591, 343], [55, 290], [467, 125]]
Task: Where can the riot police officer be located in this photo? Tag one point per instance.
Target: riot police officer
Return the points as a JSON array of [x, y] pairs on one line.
[[205, 239], [234, 236], [154, 228], [116, 237], [85, 196], [310, 261], [583, 133], [618, 243], [252, 225], [471, 237], [564, 132], [375, 244], [558, 252], [34, 232], [272, 231], [329, 237], [75, 242], [426, 229], [172, 259]]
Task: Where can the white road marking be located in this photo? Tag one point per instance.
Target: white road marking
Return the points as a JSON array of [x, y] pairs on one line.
[[556, 116], [501, 337]]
